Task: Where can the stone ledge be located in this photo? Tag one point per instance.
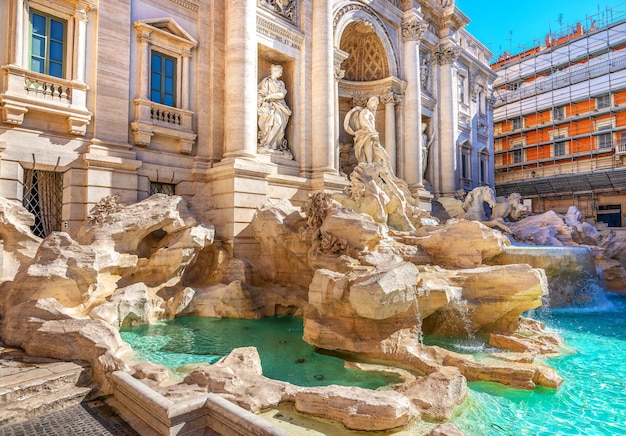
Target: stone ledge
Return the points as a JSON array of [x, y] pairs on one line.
[[149, 412]]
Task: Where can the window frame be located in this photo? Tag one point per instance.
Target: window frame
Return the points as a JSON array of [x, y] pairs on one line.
[[559, 148], [48, 37], [517, 123], [161, 188], [558, 113], [162, 92], [465, 156], [601, 140], [600, 101], [483, 167], [517, 154]]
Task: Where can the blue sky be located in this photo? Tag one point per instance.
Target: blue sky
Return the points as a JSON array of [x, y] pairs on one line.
[[503, 27]]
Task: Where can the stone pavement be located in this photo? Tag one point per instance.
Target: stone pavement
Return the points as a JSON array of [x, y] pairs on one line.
[[54, 391], [88, 418]]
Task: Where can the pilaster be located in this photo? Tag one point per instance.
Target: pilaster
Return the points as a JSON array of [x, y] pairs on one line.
[[240, 130], [446, 54], [413, 28], [322, 95]]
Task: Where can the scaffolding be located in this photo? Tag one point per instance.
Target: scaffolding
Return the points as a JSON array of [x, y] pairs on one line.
[[560, 112]]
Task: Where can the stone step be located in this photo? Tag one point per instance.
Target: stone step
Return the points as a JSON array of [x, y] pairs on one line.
[[15, 412], [23, 382]]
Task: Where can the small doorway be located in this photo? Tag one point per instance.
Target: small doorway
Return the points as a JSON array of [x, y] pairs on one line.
[[610, 214], [43, 197]]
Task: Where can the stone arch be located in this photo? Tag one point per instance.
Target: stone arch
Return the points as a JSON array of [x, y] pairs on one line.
[[358, 17]]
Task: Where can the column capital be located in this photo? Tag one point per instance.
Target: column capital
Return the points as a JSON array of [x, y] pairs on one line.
[[413, 28], [389, 98], [339, 73], [447, 53]]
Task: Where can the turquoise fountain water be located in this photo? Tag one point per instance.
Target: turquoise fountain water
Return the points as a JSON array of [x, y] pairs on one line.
[[592, 400], [284, 355]]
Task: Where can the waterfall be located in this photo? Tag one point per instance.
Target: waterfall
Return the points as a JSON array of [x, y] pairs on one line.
[[571, 272]]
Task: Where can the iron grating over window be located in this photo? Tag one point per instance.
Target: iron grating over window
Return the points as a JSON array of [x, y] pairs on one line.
[[162, 188], [43, 197]]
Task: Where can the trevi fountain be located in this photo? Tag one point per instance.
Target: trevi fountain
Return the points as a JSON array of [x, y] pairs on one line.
[[361, 312]]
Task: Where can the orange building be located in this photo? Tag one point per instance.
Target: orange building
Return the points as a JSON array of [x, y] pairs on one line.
[[560, 122]]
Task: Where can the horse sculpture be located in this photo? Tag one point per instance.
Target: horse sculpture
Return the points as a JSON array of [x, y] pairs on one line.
[[474, 203], [482, 205], [510, 207]]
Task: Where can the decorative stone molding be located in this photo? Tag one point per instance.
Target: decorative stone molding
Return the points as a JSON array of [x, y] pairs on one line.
[[339, 73], [152, 118], [447, 53], [26, 90], [390, 97], [279, 33], [414, 29], [372, 15], [339, 57], [287, 9], [365, 90], [192, 6]]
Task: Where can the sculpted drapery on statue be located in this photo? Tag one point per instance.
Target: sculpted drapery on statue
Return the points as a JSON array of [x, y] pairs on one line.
[[360, 122], [273, 113], [374, 189]]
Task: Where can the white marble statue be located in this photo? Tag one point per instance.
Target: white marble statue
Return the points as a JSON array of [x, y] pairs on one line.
[[273, 113], [360, 122], [375, 190], [426, 143]]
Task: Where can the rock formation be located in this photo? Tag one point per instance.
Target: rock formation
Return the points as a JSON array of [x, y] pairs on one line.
[[365, 289]]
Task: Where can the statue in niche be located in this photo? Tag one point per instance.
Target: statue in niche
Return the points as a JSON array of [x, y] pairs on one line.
[[273, 114], [360, 122], [426, 143], [425, 72], [374, 189]]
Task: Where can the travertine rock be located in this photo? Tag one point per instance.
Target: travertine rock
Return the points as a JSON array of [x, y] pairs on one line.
[[239, 378], [461, 244], [446, 429], [544, 229], [233, 300], [493, 298], [130, 306], [66, 268], [284, 249], [93, 341], [150, 371], [19, 244], [359, 231], [386, 292], [22, 320], [437, 394], [355, 408]]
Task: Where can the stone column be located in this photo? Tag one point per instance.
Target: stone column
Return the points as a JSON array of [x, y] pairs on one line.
[[389, 101], [446, 54], [143, 62], [413, 29], [240, 126], [400, 170], [184, 101], [339, 57], [18, 41], [80, 62], [322, 79]]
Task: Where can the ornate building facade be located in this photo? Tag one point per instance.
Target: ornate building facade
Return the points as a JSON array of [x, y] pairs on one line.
[[560, 121], [135, 97]]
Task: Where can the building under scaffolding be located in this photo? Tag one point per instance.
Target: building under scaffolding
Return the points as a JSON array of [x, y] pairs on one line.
[[560, 120]]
